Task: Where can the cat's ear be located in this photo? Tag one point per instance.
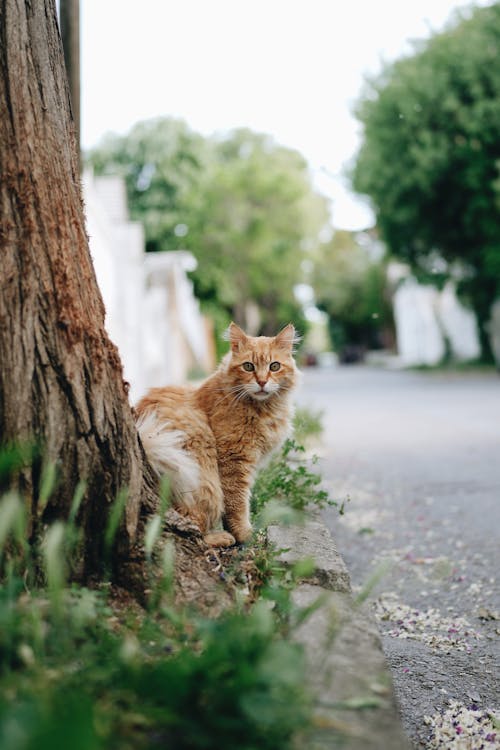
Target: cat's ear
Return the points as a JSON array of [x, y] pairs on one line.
[[236, 336], [287, 338]]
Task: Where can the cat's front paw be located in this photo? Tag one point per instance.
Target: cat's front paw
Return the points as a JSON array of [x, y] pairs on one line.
[[242, 532], [219, 539]]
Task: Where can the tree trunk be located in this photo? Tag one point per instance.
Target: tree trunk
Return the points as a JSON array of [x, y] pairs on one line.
[[69, 11], [61, 381]]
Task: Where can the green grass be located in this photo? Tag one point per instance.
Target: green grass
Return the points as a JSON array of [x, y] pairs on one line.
[[79, 680], [77, 672], [307, 424], [288, 482], [88, 670], [450, 366]]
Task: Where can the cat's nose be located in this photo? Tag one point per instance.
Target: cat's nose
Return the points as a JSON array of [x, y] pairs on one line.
[[261, 382]]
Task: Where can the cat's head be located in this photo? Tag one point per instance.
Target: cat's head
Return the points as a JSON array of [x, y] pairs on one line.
[[263, 366]]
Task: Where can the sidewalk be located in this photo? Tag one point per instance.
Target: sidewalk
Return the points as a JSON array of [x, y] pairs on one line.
[[356, 707]]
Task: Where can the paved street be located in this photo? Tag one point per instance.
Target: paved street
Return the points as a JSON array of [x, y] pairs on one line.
[[417, 456]]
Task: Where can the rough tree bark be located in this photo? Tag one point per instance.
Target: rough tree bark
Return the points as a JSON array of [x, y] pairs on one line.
[[61, 378], [69, 12], [61, 382]]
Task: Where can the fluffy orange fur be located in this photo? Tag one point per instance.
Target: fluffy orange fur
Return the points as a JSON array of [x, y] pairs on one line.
[[211, 439]]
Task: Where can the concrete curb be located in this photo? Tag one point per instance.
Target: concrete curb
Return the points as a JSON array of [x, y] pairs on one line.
[[355, 703], [312, 540]]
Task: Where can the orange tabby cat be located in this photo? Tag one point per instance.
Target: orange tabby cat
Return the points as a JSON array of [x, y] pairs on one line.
[[210, 440]]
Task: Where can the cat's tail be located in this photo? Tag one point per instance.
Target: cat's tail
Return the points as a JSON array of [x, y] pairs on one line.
[[164, 449]]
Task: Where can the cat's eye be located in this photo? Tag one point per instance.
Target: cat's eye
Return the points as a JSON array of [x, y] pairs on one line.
[[248, 366], [274, 366]]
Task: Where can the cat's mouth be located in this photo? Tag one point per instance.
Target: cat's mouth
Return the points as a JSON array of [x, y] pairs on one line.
[[261, 395]]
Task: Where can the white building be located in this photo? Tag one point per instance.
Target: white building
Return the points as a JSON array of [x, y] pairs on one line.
[[430, 322], [152, 314]]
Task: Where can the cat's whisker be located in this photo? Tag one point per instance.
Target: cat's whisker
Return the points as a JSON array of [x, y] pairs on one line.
[[241, 395], [229, 389], [226, 388], [236, 392], [221, 401]]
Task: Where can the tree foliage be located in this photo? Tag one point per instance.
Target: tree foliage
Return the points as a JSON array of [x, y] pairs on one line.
[[350, 286], [242, 204], [160, 160], [431, 155]]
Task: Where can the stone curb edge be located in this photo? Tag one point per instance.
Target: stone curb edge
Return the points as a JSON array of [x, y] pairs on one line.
[[355, 701]]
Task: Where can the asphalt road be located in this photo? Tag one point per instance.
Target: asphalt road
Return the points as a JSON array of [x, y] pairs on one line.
[[416, 457]]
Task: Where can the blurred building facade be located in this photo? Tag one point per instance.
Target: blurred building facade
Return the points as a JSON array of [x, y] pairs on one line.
[[152, 314], [431, 323]]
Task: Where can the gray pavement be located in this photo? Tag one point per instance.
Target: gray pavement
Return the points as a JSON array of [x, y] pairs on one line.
[[417, 458]]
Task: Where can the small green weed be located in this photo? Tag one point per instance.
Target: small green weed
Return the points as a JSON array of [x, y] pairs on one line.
[[77, 672], [307, 424], [81, 682], [288, 480]]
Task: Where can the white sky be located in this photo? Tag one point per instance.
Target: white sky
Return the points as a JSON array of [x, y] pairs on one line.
[[292, 68]]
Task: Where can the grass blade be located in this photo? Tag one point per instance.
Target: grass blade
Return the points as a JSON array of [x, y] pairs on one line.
[[47, 485], [79, 493], [10, 510], [153, 530], [114, 519]]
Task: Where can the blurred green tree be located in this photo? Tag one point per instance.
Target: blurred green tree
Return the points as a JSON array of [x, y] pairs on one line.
[[350, 285], [430, 159], [160, 159], [255, 219], [242, 204]]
